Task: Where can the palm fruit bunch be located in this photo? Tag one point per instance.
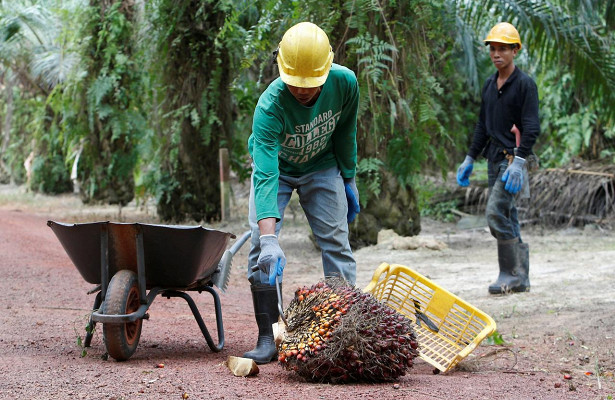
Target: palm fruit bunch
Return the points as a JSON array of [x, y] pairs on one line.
[[336, 333]]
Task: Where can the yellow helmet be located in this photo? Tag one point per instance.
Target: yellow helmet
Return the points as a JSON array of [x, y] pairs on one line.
[[304, 56], [503, 33]]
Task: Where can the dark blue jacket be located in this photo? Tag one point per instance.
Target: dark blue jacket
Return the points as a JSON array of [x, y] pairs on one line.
[[516, 102]]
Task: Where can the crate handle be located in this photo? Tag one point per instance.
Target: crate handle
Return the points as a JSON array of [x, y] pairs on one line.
[[382, 268]]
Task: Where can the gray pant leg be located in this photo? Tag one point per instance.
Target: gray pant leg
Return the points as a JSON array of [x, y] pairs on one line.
[[323, 199], [501, 211]]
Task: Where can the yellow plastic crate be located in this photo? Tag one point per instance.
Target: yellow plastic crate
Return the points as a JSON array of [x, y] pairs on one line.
[[460, 326]]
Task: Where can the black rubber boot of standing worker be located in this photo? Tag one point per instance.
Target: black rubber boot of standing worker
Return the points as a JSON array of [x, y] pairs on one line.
[[512, 277], [265, 299], [523, 252]]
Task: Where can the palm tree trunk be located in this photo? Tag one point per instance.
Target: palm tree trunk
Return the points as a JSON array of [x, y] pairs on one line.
[[197, 79], [109, 156]]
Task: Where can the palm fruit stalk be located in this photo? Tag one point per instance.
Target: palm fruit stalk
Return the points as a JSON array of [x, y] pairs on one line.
[[336, 333]]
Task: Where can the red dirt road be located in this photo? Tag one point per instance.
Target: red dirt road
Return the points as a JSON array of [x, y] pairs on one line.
[[44, 307]]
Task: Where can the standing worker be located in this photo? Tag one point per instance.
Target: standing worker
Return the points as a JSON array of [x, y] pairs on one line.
[[303, 138], [505, 134]]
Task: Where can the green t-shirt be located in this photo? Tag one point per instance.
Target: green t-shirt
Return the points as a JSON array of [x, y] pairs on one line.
[[291, 139]]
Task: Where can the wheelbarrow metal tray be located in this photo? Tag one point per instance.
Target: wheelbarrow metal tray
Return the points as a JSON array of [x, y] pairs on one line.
[[175, 256]]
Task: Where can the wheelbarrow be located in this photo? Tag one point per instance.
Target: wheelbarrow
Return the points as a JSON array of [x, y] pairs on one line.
[[132, 263]]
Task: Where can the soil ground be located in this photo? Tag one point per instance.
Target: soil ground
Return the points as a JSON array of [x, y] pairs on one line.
[[564, 327]]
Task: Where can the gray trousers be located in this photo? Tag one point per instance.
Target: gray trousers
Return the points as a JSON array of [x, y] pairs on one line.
[[323, 199], [501, 211]]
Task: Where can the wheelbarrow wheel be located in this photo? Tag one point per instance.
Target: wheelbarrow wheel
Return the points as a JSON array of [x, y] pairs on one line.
[[122, 297]]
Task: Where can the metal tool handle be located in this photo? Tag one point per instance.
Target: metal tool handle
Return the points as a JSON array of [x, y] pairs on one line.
[[280, 301]]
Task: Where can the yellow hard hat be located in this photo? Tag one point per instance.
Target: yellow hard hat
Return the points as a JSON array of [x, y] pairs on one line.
[[503, 33], [304, 56]]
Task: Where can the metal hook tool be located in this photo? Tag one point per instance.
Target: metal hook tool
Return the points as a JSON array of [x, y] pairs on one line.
[[422, 317], [280, 301]]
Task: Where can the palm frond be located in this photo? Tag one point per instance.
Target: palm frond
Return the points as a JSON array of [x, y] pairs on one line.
[[31, 23], [54, 66], [466, 40], [32, 33]]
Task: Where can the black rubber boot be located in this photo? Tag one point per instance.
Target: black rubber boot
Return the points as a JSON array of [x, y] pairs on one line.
[[512, 277], [523, 252], [266, 312]]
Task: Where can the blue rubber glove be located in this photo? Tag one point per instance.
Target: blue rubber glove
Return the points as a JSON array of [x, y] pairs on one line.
[[352, 195], [277, 271], [464, 171], [271, 259], [513, 176]]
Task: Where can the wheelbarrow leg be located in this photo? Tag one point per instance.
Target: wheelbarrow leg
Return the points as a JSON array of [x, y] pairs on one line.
[[89, 328], [199, 319]]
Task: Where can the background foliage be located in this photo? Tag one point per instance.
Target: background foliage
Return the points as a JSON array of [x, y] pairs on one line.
[[143, 94]]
